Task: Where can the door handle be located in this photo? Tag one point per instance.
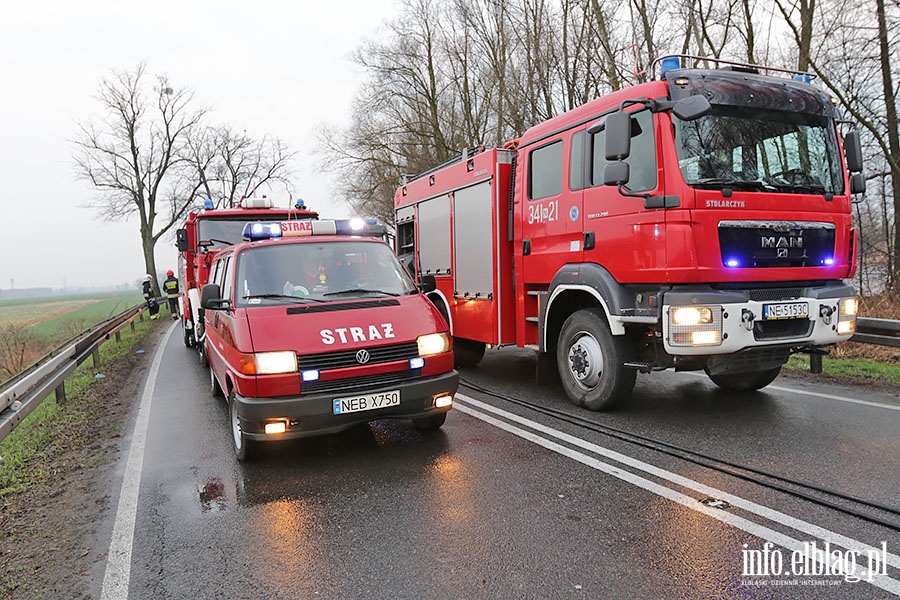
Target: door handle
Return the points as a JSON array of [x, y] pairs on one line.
[[588, 240]]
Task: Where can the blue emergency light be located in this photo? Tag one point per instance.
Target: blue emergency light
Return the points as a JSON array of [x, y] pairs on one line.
[[208, 204], [669, 63], [264, 230], [261, 231]]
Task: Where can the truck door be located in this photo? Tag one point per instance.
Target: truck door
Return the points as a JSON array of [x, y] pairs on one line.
[[551, 212], [629, 234]]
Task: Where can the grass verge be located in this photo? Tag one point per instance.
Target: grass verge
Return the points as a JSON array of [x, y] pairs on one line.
[[850, 368]]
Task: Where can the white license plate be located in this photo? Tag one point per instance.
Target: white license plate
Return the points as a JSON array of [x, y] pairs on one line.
[[787, 310], [354, 404]]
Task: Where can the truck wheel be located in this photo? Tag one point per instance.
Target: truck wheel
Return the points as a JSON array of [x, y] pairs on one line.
[[745, 382], [188, 337], [244, 449], [430, 423], [591, 361], [204, 358], [467, 353]]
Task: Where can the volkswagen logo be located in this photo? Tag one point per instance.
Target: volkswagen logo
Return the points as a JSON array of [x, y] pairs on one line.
[[362, 357]]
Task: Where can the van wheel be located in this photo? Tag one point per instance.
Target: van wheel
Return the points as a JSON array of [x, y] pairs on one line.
[[430, 423], [745, 382], [204, 357], [244, 449], [214, 386], [467, 353], [591, 361]]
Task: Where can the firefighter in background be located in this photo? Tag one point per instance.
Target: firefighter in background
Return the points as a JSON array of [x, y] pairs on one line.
[[152, 306], [170, 285]]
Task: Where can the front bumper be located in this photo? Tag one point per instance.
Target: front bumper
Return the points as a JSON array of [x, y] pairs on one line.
[[312, 414], [739, 323]]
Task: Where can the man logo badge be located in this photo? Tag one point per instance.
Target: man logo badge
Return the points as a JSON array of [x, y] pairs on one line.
[[362, 357]]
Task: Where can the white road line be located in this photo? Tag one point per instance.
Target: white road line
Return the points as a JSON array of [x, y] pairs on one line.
[[814, 394], [118, 562], [765, 512]]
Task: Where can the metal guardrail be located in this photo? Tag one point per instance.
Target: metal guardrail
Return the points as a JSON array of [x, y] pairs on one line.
[[883, 332], [23, 393]]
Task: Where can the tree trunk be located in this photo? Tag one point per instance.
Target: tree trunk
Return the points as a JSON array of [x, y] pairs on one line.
[[147, 245], [893, 136]]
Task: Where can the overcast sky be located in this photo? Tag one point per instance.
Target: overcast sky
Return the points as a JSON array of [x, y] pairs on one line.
[[270, 67]]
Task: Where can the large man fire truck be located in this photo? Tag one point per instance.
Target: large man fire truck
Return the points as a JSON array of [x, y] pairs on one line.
[[204, 234], [314, 326], [698, 221]]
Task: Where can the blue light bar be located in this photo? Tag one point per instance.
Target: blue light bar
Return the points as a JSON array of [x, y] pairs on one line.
[[310, 375], [261, 231], [416, 363]]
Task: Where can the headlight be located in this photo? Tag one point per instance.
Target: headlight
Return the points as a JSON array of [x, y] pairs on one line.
[[691, 315], [849, 307], [433, 343], [269, 363]]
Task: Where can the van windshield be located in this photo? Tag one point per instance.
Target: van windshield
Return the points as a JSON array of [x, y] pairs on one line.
[[760, 150], [293, 273]]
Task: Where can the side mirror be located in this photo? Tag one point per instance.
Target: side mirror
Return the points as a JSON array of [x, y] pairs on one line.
[[211, 297], [691, 108], [853, 152], [427, 283], [617, 173], [181, 240], [857, 183], [618, 135]]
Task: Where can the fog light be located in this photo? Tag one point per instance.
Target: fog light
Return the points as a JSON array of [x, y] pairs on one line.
[[443, 401], [311, 375], [276, 427], [705, 338], [846, 327], [416, 363]]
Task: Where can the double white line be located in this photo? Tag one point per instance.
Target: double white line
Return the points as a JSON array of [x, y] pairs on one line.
[[545, 436]]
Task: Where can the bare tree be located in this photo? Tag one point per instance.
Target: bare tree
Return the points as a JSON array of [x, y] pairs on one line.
[[130, 157]]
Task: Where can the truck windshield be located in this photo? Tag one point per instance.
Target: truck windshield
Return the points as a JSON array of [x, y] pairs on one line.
[[760, 150], [291, 273], [223, 233]]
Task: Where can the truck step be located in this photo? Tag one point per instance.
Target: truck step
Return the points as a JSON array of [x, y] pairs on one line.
[[643, 367]]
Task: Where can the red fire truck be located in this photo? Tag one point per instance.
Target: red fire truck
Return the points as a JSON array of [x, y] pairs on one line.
[[204, 234], [698, 221], [314, 326]]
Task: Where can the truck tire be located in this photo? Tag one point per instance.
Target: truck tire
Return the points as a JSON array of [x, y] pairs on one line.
[[745, 382], [188, 337], [244, 449], [204, 358], [430, 423], [591, 361], [467, 353]]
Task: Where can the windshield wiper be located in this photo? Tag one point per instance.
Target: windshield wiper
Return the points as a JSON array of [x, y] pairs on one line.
[[735, 184], [282, 297], [360, 291]]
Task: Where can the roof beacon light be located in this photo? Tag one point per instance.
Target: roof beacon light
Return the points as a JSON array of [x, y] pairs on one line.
[[300, 204], [208, 204], [357, 224], [669, 63]]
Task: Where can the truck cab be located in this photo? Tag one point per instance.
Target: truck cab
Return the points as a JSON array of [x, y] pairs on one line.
[[312, 328]]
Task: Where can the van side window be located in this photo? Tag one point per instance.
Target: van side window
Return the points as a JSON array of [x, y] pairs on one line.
[[227, 279], [545, 171], [642, 159]]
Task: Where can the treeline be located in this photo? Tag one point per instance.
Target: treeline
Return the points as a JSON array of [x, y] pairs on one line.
[[450, 74]]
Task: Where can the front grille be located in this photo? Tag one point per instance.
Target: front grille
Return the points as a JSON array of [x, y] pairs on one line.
[[751, 244], [775, 294], [782, 329], [347, 358], [359, 383]]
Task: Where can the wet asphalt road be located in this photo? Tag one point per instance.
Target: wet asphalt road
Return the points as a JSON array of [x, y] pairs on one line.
[[503, 502]]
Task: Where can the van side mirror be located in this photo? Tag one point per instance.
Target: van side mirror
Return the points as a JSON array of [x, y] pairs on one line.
[[853, 152], [181, 240], [427, 284], [211, 298], [618, 135], [857, 183]]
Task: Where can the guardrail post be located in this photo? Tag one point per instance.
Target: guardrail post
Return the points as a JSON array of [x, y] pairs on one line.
[[132, 324], [61, 393], [96, 356], [815, 364], [118, 336]]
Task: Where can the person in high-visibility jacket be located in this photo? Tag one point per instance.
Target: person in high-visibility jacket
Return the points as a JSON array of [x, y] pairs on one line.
[[170, 285]]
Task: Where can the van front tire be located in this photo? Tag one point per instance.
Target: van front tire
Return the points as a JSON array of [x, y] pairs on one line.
[[244, 449]]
